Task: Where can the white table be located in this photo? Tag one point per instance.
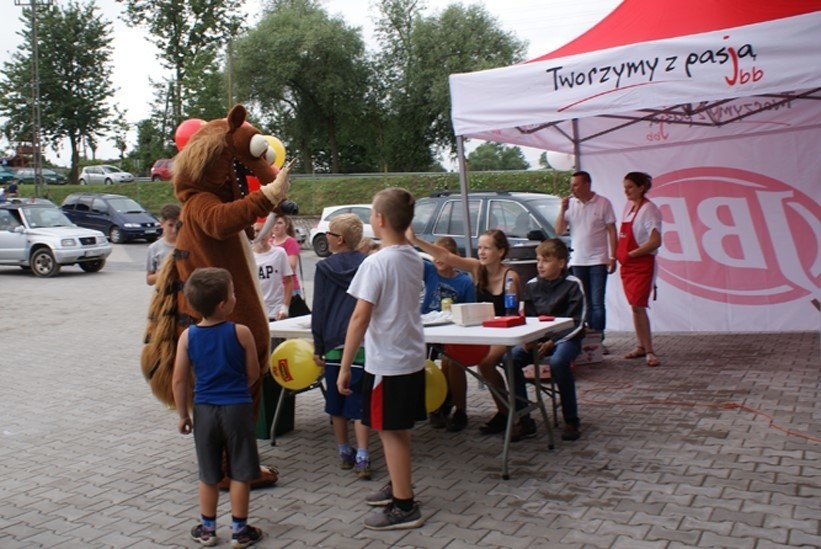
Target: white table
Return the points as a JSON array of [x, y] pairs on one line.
[[534, 329]]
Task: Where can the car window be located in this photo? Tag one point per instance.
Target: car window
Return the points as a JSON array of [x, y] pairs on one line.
[[7, 221], [70, 202], [422, 213], [548, 208], [99, 206], [511, 217], [363, 213], [125, 205], [84, 205], [451, 220], [108, 169]]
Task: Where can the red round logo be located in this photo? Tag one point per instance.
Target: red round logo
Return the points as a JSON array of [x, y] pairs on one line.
[[737, 237]]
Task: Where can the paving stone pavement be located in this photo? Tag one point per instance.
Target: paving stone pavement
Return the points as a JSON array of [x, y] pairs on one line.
[[719, 447]]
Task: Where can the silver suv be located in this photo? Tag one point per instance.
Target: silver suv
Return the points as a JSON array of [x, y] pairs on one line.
[[39, 237]]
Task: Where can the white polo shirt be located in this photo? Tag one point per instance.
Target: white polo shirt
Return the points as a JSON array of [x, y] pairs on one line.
[[588, 230]]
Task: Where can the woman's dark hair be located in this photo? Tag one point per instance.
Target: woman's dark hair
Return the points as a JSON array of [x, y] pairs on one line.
[[500, 241], [640, 179]]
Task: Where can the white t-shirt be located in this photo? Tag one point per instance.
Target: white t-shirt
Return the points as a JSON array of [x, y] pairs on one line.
[[647, 219], [271, 267], [156, 254], [395, 340], [588, 230]]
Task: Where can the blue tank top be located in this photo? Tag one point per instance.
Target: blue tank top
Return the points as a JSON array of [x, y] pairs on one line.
[[219, 365]]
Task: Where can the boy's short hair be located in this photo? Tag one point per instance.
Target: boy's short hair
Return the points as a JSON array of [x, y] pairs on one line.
[[367, 245], [396, 205], [553, 247], [206, 288], [349, 226], [448, 243], [170, 212]]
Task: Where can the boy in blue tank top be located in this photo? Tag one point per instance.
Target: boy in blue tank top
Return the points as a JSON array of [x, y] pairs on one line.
[[223, 359]]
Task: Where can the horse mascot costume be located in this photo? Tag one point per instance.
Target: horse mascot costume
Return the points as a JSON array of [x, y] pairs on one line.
[[211, 182]]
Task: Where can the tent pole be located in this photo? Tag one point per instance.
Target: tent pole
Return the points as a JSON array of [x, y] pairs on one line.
[[577, 150], [463, 186]]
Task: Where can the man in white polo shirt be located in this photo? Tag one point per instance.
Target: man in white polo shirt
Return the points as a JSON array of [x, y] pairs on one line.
[[592, 224]]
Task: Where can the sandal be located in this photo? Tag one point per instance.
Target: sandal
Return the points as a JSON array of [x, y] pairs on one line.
[[638, 352], [652, 360]]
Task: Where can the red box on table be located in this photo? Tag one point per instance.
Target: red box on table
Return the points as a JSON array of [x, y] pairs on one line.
[[504, 322]]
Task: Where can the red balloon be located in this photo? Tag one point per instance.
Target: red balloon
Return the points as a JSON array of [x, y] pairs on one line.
[[467, 355], [185, 130]]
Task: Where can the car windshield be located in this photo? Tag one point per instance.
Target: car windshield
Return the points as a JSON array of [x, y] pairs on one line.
[[125, 205], [45, 217], [110, 169]]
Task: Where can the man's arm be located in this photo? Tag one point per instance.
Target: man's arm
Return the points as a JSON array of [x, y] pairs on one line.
[[611, 239], [561, 223]]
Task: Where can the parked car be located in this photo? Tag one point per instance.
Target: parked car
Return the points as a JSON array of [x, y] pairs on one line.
[[50, 177], [6, 175], [104, 175], [317, 235], [162, 169], [40, 238], [120, 217]]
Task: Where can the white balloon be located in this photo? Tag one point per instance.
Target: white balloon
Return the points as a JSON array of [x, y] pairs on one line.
[[560, 161]]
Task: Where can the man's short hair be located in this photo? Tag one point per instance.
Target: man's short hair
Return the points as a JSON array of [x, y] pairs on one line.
[[396, 206], [206, 288], [584, 175], [170, 212], [552, 247], [349, 226]]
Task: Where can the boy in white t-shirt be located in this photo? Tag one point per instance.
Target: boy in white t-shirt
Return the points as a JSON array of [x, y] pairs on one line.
[[275, 275], [387, 316], [159, 250]]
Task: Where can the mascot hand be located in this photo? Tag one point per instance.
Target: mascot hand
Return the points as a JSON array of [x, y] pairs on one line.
[[276, 190]]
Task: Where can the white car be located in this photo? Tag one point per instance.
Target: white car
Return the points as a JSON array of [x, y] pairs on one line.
[[104, 175], [317, 237], [40, 238]]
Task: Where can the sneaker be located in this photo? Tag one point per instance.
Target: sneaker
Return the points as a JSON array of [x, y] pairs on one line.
[[247, 537], [457, 422], [437, 419], [362, 468], [203, 536], [381, 498], [347, 461], [571, 432], [393, 518], [497, 424], [526, 428]]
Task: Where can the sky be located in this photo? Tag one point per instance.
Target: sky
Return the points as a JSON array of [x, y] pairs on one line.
[[544, 24]]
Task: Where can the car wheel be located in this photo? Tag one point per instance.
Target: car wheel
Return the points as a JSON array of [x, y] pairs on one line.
[[320, 244], [108, 181], [155, 178], [115, 235], [43, 263], [92, 266], [82, 181]]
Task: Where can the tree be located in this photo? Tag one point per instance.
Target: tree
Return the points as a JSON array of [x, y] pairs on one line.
[[187, 33], [496, 157], [74, 53], [418, 54], [305, 72]]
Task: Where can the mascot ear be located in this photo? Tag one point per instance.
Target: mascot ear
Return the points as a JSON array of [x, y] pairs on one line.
[[236, 117]]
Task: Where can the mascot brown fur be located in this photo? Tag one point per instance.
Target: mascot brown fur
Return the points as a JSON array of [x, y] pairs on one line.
[[217, 213]]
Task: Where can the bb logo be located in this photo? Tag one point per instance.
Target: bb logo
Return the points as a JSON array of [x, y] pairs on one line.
[[737, 237]]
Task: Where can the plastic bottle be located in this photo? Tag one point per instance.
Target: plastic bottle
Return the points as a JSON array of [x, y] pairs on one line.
[[511, 301]]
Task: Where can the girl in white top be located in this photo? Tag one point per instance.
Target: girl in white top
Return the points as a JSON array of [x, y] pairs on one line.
[[275, 276]]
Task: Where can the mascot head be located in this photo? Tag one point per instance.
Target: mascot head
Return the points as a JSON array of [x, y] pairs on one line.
[[220, 156]]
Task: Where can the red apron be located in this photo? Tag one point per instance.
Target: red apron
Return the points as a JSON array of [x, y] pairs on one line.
[[637, 273]]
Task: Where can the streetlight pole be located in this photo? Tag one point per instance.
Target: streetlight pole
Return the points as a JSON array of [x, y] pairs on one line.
[[36, 156]]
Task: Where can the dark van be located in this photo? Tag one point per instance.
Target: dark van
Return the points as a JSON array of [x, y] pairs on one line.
[[120, 217]]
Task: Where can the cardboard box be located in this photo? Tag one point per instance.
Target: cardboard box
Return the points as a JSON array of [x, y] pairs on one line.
[[504, 322], [471, 314], [591, 349]]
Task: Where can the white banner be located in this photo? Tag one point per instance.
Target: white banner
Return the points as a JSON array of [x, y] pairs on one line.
[[741, 233]]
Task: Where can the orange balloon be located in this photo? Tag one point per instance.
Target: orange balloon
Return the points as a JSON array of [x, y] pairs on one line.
[[185, 130]]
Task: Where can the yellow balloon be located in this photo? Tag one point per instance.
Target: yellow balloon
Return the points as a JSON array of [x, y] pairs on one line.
[[278, 148], [436, 387], [293, 366]]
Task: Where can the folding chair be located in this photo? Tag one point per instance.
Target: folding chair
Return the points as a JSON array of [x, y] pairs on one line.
[[545, 385], [285, 393]]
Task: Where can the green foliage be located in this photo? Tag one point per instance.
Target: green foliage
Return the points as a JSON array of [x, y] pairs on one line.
[[74, 52], [495, 156]]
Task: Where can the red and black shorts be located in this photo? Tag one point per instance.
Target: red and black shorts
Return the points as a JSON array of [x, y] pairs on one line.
[[393, 403]]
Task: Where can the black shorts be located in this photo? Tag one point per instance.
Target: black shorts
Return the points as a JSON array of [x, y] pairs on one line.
[[393, 403], [229, 428]]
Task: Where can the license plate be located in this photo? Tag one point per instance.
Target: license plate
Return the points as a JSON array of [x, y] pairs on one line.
[[150, 231]]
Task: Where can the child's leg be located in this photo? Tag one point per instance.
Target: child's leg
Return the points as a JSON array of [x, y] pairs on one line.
[[457, 383], [488, 367], [397, 446], [340, 427], [209, 497], [240, 498], [362, 434]]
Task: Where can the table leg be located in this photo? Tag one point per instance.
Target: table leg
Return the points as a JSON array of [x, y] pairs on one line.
[[511, 411]]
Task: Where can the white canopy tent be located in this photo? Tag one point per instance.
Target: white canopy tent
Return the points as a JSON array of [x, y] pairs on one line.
[[720, 100]]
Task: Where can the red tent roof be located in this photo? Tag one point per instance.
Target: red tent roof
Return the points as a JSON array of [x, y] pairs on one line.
[[635, 21]]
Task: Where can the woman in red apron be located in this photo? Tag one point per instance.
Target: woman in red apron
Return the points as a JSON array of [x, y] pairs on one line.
[[639, 239]]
